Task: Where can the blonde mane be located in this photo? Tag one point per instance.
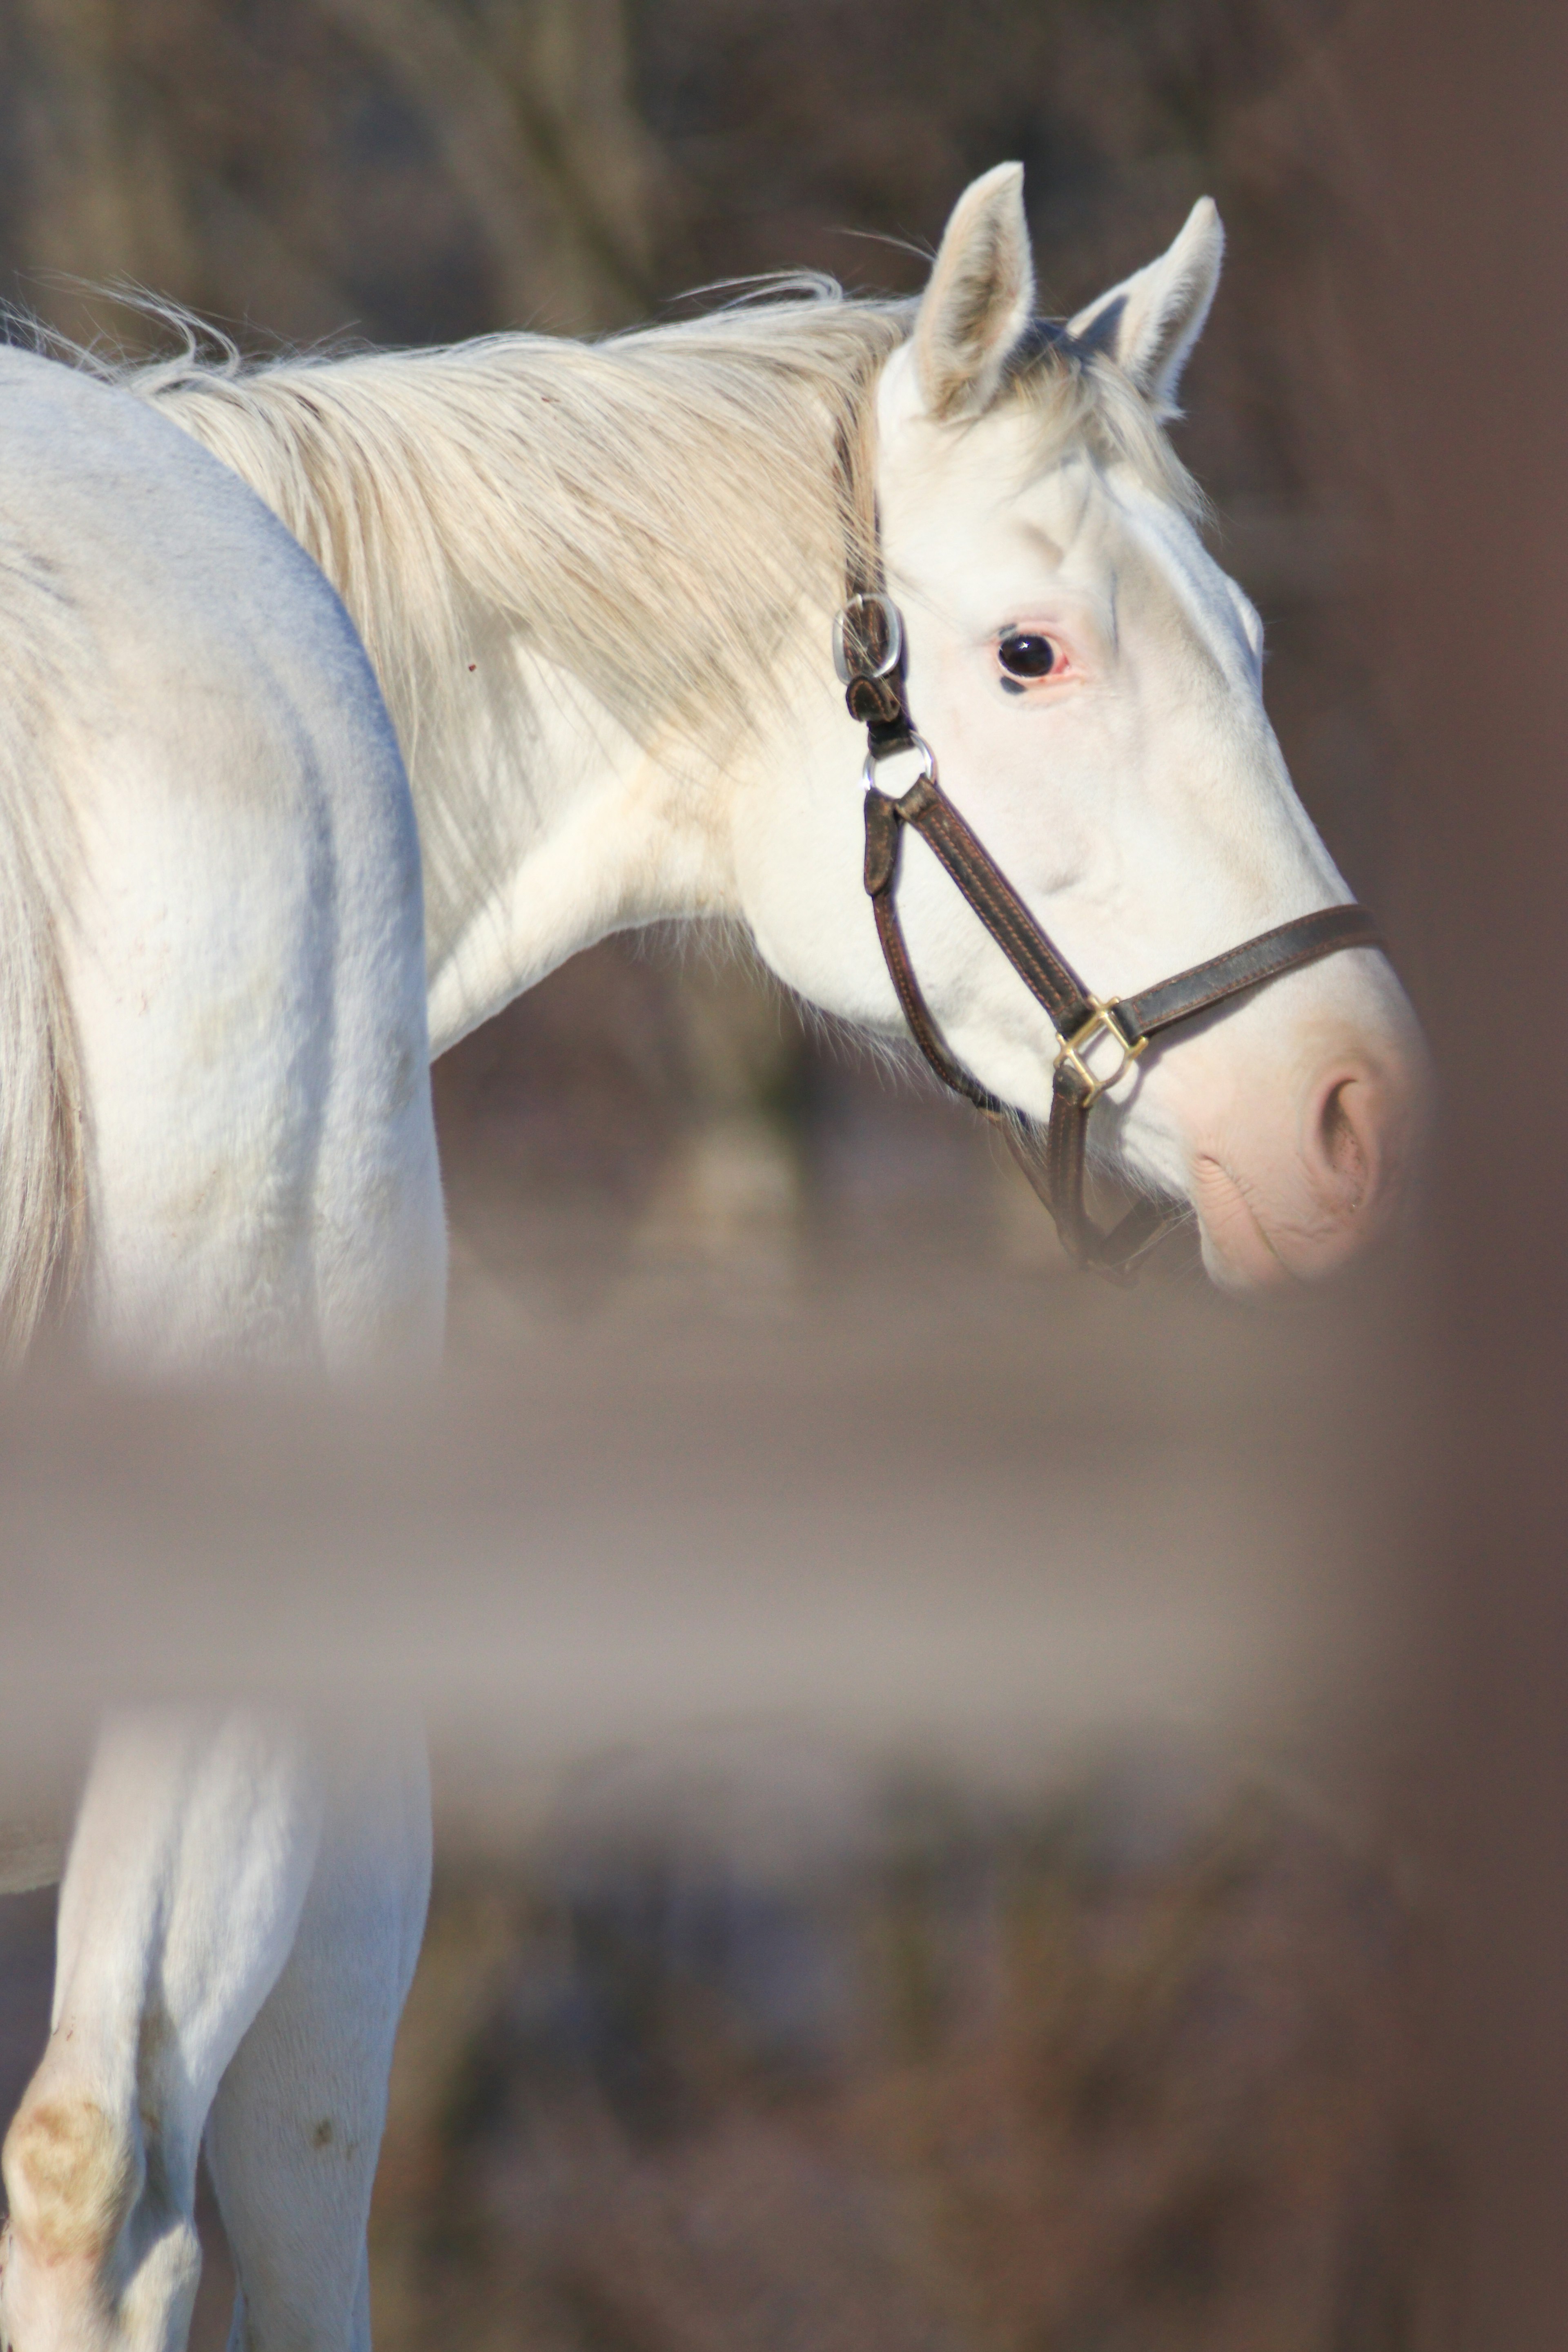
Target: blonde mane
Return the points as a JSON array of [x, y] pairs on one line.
[[648, 513]]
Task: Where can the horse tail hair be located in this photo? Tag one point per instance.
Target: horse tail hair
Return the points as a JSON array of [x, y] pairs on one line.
[[42, 1179]]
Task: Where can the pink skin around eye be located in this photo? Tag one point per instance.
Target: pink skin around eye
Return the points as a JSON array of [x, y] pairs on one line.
[[1062, 669]]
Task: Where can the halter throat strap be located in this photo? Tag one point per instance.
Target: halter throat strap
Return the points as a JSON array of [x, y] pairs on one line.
[[870, 656]]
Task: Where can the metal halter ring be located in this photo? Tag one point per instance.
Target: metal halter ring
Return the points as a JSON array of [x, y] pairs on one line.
[[892, 630], [876, 753], [1071, 1051]]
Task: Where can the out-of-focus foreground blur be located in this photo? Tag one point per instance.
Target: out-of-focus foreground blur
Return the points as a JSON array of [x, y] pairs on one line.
[[970, 1804]]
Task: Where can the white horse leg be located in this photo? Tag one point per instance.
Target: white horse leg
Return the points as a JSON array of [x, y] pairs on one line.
[[189, 1864], [296, 2127]]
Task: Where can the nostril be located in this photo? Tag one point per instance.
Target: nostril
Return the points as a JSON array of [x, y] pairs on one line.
[[1345, 1127]]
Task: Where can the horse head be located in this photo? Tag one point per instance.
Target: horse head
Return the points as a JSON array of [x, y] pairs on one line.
[[1090, 682]]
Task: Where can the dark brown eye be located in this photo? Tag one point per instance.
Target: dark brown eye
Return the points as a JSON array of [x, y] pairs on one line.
[[1023, 655]]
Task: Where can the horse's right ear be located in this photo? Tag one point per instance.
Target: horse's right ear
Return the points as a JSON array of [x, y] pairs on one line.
[[980, 300]]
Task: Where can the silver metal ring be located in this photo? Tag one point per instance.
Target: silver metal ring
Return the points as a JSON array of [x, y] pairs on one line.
[[916, 743], [893, 624]]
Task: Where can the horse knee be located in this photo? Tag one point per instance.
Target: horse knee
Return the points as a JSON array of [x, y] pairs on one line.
[[96, 2257], [72, 2175]]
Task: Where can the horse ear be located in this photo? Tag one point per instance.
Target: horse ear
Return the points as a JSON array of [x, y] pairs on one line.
[[980, 297], [1150, 322]]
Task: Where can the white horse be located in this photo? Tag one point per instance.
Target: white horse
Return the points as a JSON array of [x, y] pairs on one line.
[[596, 586], [214, 1124]]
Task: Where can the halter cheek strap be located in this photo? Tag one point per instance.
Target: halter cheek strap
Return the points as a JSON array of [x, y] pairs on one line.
[[868, 651]]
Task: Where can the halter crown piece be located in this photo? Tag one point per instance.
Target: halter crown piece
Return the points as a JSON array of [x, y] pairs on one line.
[[869, 652]]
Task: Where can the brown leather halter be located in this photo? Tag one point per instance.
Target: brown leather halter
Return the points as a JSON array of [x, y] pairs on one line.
[[870, 655]]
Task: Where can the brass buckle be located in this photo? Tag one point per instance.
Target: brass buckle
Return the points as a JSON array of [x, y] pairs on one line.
[[1070, 1051]]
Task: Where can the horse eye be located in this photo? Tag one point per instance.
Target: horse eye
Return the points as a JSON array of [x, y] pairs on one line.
[[1025, 656]]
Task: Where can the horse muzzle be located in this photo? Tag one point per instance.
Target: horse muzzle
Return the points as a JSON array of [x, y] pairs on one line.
[[1275, 1214]]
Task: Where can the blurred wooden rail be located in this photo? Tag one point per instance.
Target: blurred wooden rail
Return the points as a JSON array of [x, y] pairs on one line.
[[997, 1519]]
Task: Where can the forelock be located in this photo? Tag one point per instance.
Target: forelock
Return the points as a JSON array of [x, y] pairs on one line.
[[1078, 393]]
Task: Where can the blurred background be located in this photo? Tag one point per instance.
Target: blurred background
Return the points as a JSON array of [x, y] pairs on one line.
[[883, 1954]]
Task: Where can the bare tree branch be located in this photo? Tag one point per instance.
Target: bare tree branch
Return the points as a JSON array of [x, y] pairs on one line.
[[562, 252]]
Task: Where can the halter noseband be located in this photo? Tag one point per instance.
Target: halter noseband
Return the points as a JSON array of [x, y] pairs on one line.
[[869, 653]]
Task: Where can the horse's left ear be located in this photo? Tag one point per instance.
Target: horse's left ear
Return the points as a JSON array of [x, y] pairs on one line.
[[1150, 322], [980, 297]]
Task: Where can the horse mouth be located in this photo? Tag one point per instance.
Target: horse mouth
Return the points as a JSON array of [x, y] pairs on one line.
[[1239, 1251], [1246, 1249]]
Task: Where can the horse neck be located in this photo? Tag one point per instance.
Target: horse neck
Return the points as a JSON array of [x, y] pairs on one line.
[[546, 826], [593, 583]]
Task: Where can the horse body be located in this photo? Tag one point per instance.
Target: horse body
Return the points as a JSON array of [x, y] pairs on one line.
[[595, 585], [232, 883], [212, 868]]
